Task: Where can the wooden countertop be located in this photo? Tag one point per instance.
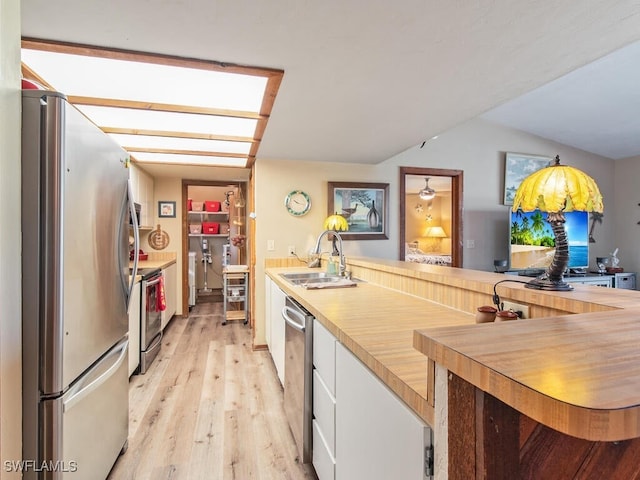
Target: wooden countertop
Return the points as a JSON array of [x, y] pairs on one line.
[[578, 374], [154, 263], [377, 324]]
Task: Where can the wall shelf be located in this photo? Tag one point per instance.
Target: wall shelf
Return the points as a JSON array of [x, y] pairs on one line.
[[226, 235], [191, 212]]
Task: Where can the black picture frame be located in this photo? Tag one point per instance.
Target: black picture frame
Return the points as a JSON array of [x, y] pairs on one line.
[[166, 209]]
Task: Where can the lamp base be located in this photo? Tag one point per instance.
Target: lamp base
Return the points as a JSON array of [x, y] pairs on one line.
[[549, 285]]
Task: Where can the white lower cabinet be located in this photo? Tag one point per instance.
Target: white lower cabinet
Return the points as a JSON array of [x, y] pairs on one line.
[[134, 328], [323, 463], [275, 323], [324, 402], [377, 436]]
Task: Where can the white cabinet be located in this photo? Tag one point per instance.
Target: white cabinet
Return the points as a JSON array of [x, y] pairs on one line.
[[625, 280], [595, 280], [377, 436], [170, 275], [134, 328], [275, 324], [324, 402], [142, 185]]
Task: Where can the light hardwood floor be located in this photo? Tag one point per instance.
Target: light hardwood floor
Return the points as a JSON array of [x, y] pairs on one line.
[[208, 408]]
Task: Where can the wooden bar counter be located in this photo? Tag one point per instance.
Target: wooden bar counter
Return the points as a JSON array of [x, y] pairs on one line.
[[541, 398]]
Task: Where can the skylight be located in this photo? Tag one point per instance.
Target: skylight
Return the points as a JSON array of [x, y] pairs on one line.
[[161, 109]]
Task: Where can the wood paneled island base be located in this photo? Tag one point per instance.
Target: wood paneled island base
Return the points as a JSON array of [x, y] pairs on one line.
[[490, 440]]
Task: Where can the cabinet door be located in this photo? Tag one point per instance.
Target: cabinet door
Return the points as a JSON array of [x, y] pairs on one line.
[[145, 198], [278, 298], [324, 355], [170, 286], [377, 436], [134, 177], [134, 329]]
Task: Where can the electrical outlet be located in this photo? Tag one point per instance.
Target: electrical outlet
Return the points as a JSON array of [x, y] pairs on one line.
[[520, 309], [292, 250]]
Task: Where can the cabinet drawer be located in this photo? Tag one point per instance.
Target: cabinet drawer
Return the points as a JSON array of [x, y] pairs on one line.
[[324, 355], [324, 412], [627, 282], [323, 461]]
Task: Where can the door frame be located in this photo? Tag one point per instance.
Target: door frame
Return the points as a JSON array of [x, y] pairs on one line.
[[186, 183], [457, 183]]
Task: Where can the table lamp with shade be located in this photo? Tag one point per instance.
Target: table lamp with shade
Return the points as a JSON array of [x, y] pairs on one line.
[[434, 235], [557, 189], [337, 223]]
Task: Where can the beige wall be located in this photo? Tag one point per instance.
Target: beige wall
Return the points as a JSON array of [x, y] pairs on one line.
[[625, 216], [477, 147], [169, 189], [274, 179], [10, 291]]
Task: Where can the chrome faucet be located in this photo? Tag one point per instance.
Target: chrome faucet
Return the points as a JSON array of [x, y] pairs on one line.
[[316, 251]]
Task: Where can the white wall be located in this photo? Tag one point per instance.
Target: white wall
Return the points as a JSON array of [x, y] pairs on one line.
[[627, 214], [10, 248], [477, 147]]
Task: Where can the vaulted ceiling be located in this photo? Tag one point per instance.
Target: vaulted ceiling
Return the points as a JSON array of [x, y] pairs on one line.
[[363, 80]]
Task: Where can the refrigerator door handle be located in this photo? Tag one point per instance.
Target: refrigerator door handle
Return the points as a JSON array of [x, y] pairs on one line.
[[136, 244], [83, 390]]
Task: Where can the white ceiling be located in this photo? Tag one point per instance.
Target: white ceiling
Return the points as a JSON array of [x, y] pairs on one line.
[[595, 108], [364, 79]]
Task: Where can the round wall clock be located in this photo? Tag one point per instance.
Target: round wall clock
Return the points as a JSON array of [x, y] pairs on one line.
[[297, 203]]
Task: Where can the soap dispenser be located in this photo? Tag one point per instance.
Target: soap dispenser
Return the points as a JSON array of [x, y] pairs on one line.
[[332, 266]]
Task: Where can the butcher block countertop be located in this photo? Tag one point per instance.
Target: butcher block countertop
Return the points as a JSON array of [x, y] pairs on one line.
[[377, 324], [578, 373], [154, 263]]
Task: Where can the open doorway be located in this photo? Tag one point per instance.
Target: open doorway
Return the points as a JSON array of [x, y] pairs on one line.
[[431, 223], [214, 233]]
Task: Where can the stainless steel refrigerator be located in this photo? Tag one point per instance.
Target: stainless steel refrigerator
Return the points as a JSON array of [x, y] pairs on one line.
[[75, 213]]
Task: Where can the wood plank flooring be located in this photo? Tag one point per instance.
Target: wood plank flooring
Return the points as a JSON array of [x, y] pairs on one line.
[[208, 408]]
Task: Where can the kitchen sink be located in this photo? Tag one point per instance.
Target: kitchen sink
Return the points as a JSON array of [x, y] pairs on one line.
[[319, 280]]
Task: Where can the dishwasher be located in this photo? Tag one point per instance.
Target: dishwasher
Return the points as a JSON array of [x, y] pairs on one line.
[[298, 371]]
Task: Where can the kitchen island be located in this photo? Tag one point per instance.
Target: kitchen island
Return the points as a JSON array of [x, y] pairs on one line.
[[542, 398], [376, 321]]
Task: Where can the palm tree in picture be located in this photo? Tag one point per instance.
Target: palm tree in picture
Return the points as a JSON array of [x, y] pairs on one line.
[[538, 222], [596, 217]]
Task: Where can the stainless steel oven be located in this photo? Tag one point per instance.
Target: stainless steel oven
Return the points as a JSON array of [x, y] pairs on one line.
[[298, 375], [150, 317]]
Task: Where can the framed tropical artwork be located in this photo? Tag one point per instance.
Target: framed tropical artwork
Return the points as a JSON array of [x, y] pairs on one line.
[[517, 167]]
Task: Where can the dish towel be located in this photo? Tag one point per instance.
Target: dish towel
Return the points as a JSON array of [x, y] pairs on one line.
[[162, 300]]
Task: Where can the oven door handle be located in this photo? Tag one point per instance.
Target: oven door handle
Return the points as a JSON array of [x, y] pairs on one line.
[[292, 323], [153, 282]]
